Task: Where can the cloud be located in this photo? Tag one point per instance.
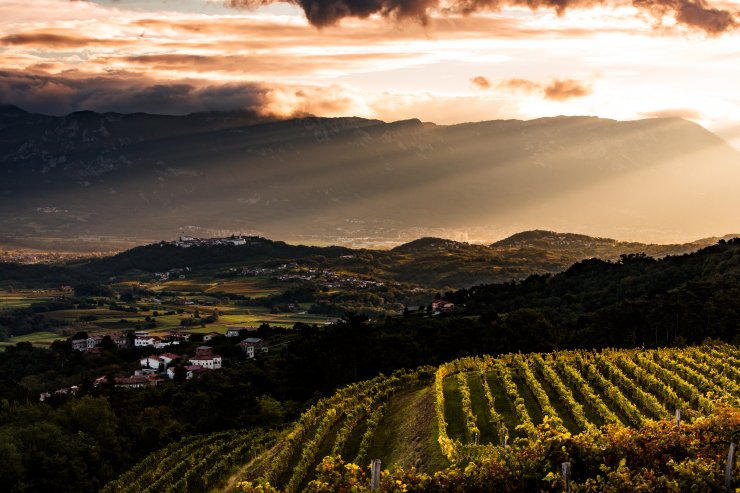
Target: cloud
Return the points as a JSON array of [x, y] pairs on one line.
[[685, 113], [481, 82], [695, 14], [556, 90], [125, 93], [54, 40], [130, 93], [275, 64], [561, 90], [520, 85]]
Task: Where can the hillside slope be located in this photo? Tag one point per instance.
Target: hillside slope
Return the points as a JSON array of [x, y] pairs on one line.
[[482, 404], [517, 409], [88, 175]]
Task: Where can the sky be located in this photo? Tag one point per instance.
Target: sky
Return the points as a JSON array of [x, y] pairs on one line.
[[446, 61]]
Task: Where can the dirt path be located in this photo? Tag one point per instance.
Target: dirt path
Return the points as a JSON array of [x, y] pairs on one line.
[[408, 435]]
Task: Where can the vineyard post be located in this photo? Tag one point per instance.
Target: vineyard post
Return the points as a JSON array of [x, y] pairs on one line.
[[375, 475], [730, 465], [678, 417], [475, 438], [566, 475]]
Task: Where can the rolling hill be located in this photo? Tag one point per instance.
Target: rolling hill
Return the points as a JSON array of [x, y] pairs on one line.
[[102, 178], [429, 262], [516, 418]]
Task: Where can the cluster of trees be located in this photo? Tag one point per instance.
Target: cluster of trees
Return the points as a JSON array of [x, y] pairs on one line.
[[635, 300], [21, 321], [593, 304], [40, 275]]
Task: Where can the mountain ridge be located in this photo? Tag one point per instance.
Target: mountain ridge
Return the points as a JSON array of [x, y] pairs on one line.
[[339, 179]]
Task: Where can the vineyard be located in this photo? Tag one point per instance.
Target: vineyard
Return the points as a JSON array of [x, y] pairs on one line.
[[484, 403], [527, 411], [193, 464]]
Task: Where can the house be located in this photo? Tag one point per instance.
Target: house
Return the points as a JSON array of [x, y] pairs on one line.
[[190, 371], [87, 345], [140, 379], [252, 344], [236, 241], [119, 339], [204, 357], [193, 370], [167, 358], [150, 362], [160, 343], [179, 335], [63, 391], [137, 381], [211, 335], [146, 340], [442, 306], [248, 350], [79, 344], [93, 341]]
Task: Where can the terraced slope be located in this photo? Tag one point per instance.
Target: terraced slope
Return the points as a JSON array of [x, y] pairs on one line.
[[487, 402], [479, 409], [196, 463]]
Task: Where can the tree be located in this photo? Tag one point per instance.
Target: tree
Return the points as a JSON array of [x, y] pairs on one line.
[[180, 374], [107, 342]]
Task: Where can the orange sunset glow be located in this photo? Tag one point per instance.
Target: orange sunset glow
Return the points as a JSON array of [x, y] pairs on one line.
[[445, 62]]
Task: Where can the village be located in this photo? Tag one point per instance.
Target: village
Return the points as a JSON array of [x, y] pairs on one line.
[[166, 363], [324, 278], [155, 369], [185, 241]]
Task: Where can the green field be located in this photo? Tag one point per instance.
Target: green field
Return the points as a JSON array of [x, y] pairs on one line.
[[24, 299], [252, 287], [104, 319], [37, 339]]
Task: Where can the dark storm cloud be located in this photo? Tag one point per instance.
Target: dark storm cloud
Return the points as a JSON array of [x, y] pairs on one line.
[[696, 14], [125, 93]]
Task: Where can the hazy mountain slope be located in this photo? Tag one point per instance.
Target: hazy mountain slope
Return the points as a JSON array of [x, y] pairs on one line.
[[150, 176]]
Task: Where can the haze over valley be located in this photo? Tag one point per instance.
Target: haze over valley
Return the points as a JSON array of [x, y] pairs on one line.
[[116, 180]]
